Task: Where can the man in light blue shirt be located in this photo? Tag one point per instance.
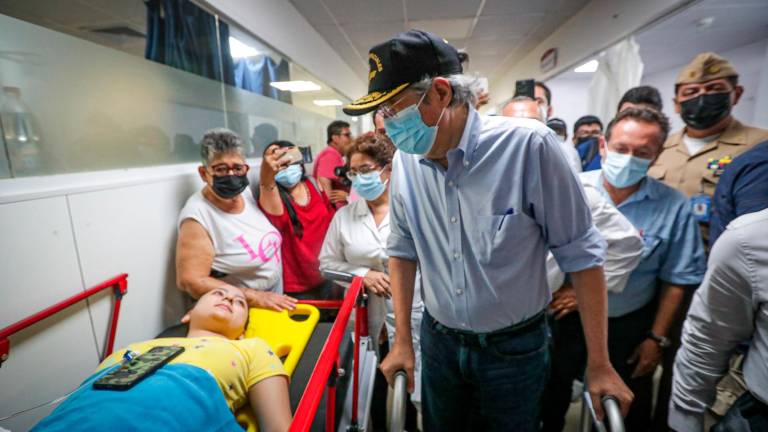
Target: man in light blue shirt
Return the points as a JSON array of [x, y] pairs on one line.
[[476, 203], [640, 317]]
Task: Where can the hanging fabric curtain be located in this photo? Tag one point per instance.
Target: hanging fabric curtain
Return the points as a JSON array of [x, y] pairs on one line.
[[620, 69], [182, 35], [255, 74]]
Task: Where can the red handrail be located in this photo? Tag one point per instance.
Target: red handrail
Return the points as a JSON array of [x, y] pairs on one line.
[[323, 304], [120, 285], [305, 412]]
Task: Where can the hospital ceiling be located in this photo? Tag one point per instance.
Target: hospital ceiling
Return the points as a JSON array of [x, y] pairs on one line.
[[733, 23], [707, 25], [495, 33]]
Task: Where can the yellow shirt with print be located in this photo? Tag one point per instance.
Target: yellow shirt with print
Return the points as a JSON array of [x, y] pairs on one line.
[[236, 365]]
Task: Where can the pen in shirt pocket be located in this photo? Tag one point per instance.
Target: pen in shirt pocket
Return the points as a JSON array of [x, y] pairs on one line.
[[510, 211]]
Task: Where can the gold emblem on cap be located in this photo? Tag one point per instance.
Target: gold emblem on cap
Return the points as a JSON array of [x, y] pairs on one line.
[[375, 65], [713, 69]]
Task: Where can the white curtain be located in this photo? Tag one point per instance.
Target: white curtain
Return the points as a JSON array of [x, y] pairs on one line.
[[620, 68]]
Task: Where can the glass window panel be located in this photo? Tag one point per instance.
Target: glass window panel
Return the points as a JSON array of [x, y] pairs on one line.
[[95, 108], [77, 94]]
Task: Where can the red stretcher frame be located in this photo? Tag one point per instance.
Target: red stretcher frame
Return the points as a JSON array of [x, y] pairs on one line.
[[326, 369], [119, 284]]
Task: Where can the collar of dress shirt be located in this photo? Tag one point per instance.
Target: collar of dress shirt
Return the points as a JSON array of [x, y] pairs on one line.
[[360, 208]]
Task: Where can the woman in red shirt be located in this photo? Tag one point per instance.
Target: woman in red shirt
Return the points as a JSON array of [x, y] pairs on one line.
[[300, 210]]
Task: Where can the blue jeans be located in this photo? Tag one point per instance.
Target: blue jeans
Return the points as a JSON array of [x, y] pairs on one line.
[[492, 385]]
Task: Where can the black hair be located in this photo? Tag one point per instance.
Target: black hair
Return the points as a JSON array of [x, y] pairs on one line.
[[558, 125], [642, 95], [335, 128], [646, 115], [547, 91], [463, 57], [285, 196], [585, 120]]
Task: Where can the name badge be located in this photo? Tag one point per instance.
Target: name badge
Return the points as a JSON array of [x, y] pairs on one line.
[[702, 207]]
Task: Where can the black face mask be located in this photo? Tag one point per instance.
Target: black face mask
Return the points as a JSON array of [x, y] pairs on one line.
[[582, 140], [703, 112], [229, 186]]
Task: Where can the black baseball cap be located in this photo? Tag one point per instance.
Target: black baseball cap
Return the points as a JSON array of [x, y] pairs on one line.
[[402, 61]]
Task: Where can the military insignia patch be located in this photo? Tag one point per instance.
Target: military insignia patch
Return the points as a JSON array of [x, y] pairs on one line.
[[717, 166]]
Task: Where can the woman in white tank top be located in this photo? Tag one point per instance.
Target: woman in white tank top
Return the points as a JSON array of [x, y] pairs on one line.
[[224, 239]]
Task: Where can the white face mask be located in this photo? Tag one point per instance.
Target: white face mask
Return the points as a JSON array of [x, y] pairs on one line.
[[543, 112]]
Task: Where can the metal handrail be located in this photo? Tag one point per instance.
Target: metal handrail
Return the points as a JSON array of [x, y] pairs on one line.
[[400, 396], [120, 285], [613, 414], [612, 410]]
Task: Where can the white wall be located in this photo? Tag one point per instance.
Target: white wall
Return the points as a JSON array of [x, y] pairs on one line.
[[279, 23], [749, 60], [597, 26], [569, 99], [760, 117]]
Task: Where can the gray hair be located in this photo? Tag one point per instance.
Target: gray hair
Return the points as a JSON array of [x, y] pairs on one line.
[[220, 141], [465, 88]]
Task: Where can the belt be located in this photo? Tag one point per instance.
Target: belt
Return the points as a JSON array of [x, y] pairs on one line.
[[466, 337]]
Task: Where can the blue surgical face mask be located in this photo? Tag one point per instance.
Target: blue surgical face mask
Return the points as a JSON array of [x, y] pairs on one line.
[[623, 170], [289, 177], [408, 131], [369, 185]]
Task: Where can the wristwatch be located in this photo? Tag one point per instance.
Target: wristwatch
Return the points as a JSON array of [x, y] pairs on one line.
[[663, 341]]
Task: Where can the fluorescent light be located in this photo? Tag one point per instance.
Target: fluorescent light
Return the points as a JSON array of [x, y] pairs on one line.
[[587, 67], [327, 102], [295, 86], [240, 50], [354, 119]]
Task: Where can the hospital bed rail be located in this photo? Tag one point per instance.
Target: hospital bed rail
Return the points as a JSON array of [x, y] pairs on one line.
[[119, 284]]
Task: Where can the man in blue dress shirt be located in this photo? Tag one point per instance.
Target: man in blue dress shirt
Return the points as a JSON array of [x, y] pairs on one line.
[[641, 316], [476, 203]]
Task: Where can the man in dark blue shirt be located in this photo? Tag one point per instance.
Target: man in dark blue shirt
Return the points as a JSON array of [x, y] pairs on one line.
[[742, 189], [586, 132]]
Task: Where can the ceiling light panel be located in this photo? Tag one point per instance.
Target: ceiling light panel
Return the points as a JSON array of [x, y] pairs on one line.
[[296, 86]]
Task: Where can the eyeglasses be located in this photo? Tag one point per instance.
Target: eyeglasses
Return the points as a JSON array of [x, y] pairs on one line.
[[222, 169], [346, 134], [363, 169], [387, 110]]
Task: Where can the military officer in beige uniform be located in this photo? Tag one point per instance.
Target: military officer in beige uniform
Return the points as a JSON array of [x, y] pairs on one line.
[[692, 159], [705, 92]]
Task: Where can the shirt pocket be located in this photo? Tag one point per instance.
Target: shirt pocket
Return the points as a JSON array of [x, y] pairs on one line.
[[650, 246], [498, 236]]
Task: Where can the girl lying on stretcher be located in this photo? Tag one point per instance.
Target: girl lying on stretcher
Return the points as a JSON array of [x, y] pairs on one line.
[[198, 390]]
